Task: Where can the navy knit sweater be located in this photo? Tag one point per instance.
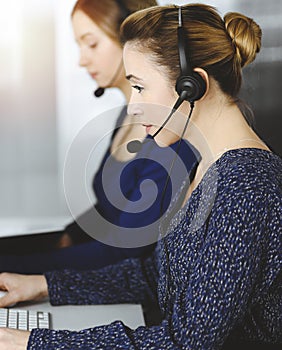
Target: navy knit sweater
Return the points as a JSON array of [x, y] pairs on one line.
[[216, 273]]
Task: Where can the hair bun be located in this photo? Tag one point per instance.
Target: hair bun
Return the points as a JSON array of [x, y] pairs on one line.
[[245, 34]]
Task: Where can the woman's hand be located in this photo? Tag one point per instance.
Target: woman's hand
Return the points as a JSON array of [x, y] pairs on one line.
[[12, 339], [22, 288]]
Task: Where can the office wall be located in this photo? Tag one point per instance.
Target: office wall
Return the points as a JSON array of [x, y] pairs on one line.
[[28, 139]]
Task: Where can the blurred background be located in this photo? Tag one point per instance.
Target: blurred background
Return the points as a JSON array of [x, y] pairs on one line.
[[46, 99]]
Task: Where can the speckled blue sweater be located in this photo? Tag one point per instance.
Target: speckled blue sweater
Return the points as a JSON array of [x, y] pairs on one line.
[[224, 275]]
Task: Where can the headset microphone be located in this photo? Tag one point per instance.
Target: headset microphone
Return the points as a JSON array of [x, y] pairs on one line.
[[100, 90], [134, 146]]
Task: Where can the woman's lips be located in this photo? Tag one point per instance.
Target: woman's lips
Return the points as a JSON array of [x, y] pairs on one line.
[[147, 128], [94, 75]]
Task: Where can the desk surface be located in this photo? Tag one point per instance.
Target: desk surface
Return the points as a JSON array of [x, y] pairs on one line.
[[77, 317], [10, 227]]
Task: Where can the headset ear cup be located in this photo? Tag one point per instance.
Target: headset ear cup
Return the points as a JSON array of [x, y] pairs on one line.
[[193, 85]]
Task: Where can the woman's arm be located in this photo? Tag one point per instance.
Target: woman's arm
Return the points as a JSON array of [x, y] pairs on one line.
[[132, 280]]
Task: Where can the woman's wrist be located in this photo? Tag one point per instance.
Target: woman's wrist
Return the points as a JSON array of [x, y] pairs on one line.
[[42, 286]]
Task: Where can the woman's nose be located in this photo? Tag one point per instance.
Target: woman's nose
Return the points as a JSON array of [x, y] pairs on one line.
[[134, 109], [83, 59]]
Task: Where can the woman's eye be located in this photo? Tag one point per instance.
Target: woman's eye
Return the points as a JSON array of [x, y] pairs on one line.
[[92, 46], [138, 88]]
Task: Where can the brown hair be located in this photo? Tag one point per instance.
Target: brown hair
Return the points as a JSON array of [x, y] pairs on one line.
[[109, 14], [219, 46]]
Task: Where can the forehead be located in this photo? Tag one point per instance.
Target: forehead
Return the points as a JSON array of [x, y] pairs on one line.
[[140, 62], [84, 25], [131, 51], [135, 57]]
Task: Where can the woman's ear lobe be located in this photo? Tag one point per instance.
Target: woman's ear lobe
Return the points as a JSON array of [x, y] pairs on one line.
[[205, 77]]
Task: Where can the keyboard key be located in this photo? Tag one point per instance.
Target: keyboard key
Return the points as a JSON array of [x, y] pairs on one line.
[[43, 319], [13, 319], [23, 322], [3, 317], [24, 319]]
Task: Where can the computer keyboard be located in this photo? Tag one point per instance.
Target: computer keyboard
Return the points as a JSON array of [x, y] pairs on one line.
[[24, 319]]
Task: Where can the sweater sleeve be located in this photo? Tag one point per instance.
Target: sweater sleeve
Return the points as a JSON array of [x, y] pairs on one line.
[[130, 281], [113, 336]]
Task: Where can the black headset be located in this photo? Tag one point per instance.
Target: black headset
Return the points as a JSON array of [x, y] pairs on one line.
[[190, 86]]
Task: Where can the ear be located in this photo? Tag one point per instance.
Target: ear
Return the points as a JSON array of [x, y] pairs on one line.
[[205, 76]]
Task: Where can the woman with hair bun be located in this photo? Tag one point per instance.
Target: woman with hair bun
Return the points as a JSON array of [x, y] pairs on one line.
[[216, 272]]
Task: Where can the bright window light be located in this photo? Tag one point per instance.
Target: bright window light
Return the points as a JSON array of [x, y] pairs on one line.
[[11, 43]]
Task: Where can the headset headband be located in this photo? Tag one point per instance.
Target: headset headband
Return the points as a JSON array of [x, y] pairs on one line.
[[190, 86], [184, 57]]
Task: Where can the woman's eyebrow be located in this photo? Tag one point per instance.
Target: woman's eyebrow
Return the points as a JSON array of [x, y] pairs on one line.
[[85, 35], [131, 76]]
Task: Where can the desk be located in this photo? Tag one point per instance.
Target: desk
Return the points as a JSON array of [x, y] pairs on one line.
[[77, 317], [11, 227]]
